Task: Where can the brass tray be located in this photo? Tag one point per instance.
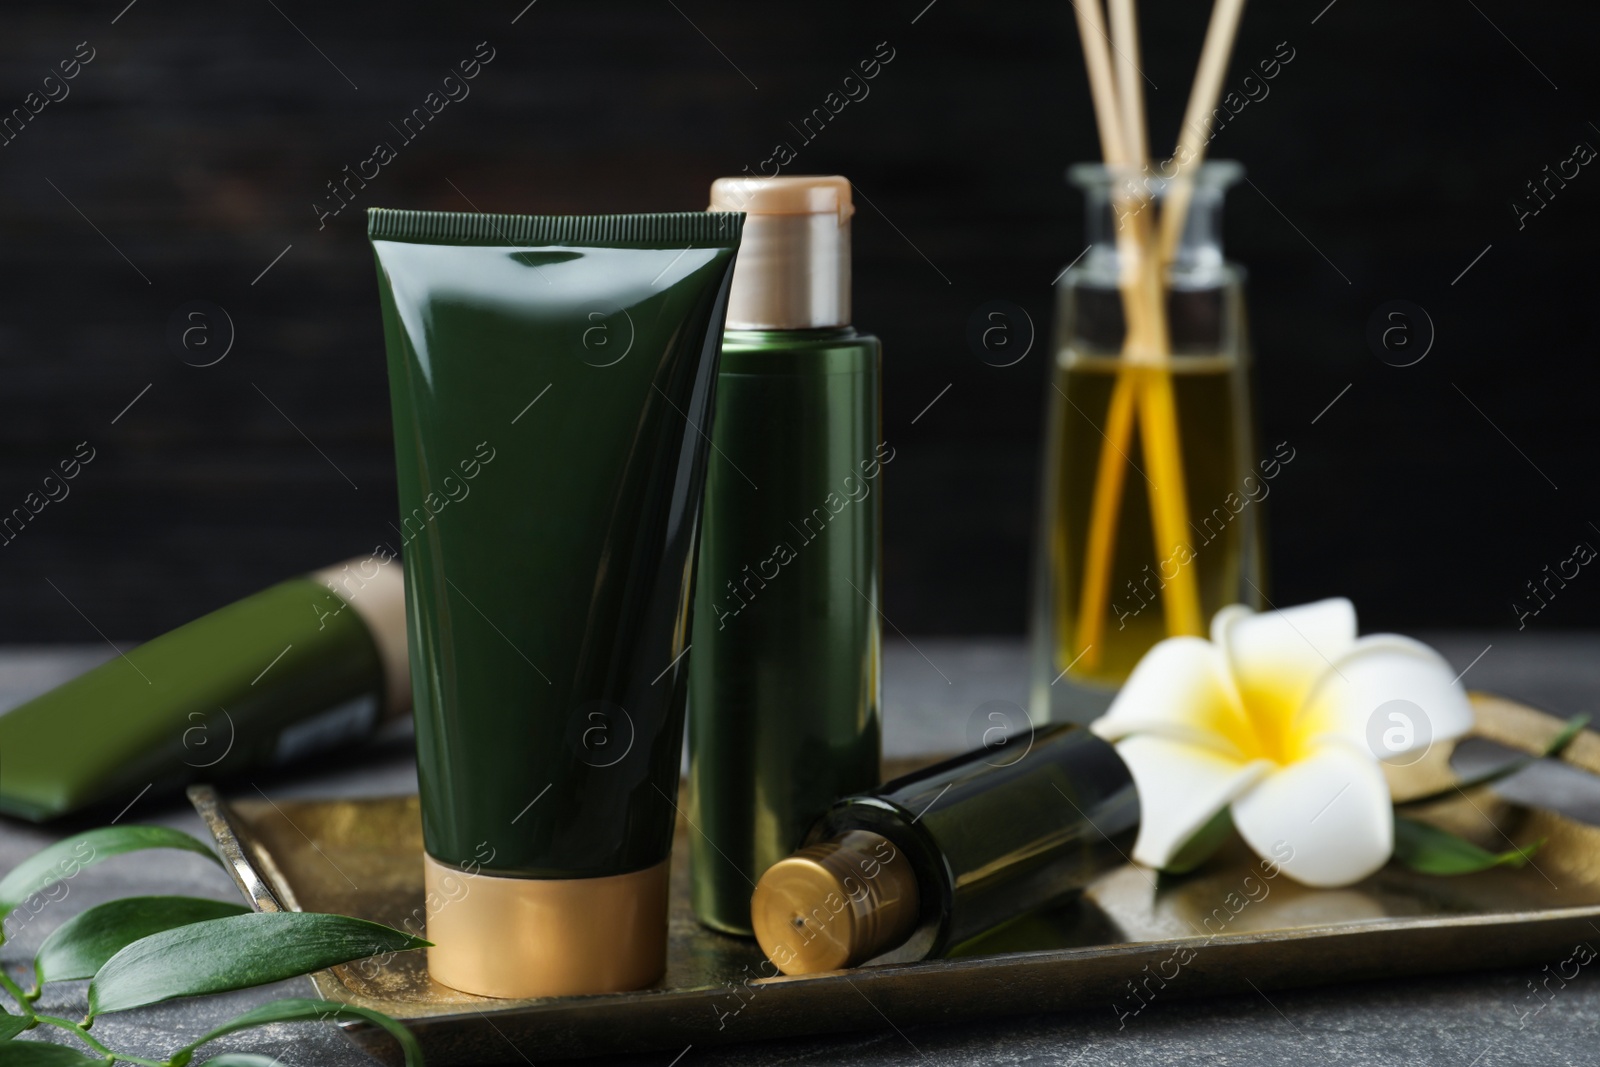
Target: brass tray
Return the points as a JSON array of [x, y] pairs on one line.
[[1125, 942]]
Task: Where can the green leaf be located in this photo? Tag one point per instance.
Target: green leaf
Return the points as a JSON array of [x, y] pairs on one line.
[[1430, 850], [42, 1054], [79, 946], [235, 953], [302, 1010], [67, 857], [1203, 845], [1557, 745], [11, 1025], [1567, 735]]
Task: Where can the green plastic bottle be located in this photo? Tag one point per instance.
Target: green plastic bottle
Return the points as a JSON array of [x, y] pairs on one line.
[[784, 679]]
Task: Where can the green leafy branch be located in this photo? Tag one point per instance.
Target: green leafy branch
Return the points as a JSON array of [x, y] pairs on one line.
[[138, 951], [1430, 850]]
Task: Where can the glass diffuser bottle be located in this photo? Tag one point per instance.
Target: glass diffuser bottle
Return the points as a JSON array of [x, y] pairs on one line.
[[1150, 517]]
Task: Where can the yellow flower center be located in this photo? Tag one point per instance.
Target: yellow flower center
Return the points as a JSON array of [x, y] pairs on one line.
[[1269, 730]]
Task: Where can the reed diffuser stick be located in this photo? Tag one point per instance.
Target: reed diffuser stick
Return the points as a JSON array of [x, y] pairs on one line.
[[1114, 145], [1146, 383], [1112, 468], [1107, 500], [1191, 148], [1102, 90], [1130, 92], [1148, 347]]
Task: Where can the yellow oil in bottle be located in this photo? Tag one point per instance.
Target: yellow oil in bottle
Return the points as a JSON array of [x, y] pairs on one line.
[[1212, 434]]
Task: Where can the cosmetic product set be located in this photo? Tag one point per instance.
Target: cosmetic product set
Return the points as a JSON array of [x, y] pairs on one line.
[[635, 615], [640, 462], [679, 519], [634, 611]]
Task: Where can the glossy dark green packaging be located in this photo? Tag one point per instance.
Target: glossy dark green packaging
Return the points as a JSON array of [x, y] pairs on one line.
[[784, 684], [567, 366], [930, 861], [1001, 831], [268, 680], [784, 680]]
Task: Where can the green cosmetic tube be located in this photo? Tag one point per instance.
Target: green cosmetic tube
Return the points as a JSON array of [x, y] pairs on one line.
[[297, 668], [552, 381], [784, 684]]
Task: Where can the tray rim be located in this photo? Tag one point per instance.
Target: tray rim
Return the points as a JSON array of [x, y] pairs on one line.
[[1527, 722]]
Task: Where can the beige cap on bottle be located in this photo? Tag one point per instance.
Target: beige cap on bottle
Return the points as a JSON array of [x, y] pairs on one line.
[[375, 587], [793, 270]]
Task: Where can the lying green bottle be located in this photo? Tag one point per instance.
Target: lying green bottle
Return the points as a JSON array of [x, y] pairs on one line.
[[784, 684], [300, 667], [929, 861]]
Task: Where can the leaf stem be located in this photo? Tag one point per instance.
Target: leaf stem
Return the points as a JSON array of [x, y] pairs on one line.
[[83, 1035], [22, 999]]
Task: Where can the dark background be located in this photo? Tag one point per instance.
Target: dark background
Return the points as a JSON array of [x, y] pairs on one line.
[[200, 135]]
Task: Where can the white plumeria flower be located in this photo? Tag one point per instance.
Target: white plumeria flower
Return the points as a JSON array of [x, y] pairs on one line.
[[1271, 717]]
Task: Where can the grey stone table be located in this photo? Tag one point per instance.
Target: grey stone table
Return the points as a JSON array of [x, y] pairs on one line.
[[1482, 1019]]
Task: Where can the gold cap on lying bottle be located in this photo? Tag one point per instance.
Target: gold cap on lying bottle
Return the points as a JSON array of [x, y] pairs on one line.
[[835, 904]]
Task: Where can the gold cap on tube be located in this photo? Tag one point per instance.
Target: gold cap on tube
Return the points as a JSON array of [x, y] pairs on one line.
[[793, 270], [546, 937], [835, 904]]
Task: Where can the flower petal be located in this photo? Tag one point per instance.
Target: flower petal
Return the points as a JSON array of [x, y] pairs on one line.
[[1276, 659], [1389, 695], [1181, 786], [1179, 690], [1325, 820], [1224, 618]]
